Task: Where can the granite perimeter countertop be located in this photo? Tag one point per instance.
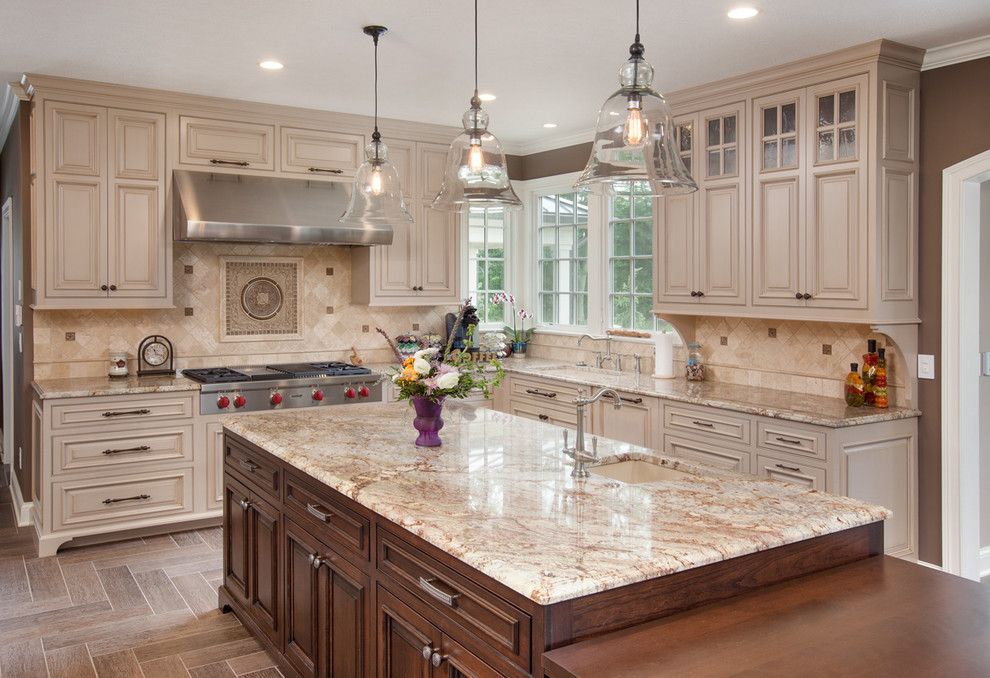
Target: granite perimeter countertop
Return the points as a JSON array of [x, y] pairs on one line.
[[498, 496], [766, 402], [82, 387]]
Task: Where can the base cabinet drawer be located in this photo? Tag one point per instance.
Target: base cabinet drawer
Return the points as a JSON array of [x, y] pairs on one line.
[[328, 519], [790, 439], [708, 421], [791, 471], [259, 471], [122, 449], [719, 456], [131, 497], [549, 415], [122, 412], [545, 391]]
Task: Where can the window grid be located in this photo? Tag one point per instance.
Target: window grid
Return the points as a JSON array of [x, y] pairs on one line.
[[630, 262], [562, 262], [486, 262]]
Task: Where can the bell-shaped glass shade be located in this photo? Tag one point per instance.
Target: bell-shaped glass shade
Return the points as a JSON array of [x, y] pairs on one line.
[[377, 195], [475, 173], [634, 137]]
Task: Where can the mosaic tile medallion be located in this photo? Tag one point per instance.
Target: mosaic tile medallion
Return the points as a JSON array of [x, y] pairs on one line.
[[260, 298]]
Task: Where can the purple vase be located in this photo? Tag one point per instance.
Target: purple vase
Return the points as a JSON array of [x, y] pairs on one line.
[[428, 421]]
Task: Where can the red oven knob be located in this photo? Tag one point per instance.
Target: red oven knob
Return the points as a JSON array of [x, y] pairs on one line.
[[240, 401], [350, 393], [223, 402], [317, 394], [364, 392], [276, 398]]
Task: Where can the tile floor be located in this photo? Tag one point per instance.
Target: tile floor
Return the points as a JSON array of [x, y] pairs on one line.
[[143, 607]]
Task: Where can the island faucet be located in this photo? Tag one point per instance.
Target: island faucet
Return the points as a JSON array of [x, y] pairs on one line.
[[578, 453]]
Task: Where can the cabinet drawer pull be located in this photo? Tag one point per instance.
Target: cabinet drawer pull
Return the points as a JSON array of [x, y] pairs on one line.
[[545, 394], [634, 401], [234, 163], [543, 417], [448, 599], [138, 497], [706, 424], [796, 469], [437, 659], [124, 413], [320, 512], [788, 441], [427, 651], [248, 466], [327, 171], [315, 561], [244, 503], [121, 450]]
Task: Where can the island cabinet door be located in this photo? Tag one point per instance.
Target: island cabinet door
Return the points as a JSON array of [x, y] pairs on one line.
[[456, 661], [236, 553], [302, 598], [406, 641], [345, 622], [263, 589]]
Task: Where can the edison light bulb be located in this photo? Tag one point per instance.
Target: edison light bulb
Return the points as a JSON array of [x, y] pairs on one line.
[[375, 185], [476, 159], [634, 132]]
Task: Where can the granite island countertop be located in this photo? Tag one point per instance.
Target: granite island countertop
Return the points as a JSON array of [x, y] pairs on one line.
[[499, 497], [82, 387]]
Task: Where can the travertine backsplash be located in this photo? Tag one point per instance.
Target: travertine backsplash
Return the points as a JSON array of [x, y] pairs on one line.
[[792, 360], [331, 325]]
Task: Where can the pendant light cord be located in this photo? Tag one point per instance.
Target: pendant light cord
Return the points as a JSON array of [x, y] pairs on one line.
[[636, 51], [376, 136], [475, 101]]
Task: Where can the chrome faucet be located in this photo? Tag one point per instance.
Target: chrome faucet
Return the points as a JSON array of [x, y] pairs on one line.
[[599, 358], [578, 453]]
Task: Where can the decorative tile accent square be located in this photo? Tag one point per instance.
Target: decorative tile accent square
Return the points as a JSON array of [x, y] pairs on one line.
[[261, 299], [826, 349], [723, 341], [329, 310], [70, 336], [188, 310], [329, 270], [772, 332], [188, 269]]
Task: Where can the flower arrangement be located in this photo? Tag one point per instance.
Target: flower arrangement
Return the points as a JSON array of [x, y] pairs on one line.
[[520, 335]]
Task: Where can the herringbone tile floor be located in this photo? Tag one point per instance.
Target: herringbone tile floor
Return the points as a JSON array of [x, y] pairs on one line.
[[144, 607]]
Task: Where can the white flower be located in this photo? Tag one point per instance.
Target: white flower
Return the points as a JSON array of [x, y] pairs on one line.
[[422, 366], [395, 377], [448, 380], [426, 353]]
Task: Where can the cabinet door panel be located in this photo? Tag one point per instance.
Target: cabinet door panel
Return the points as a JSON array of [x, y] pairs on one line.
[[836, 243], [137, 241], [633, 423], [777, 241], [344, 601], [396, 267], [439, 253], [321, 153], [459, 662], [676, 240], [236, 540], [137, 145], [432, 160], [263, 590], [78, 137], [402, 637], [721, 246], [402, 155], [76, 259], [203, 141], [302, 599]]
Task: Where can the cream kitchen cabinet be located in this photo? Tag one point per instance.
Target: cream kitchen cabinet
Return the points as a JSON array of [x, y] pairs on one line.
[[223, 143], [318, 152], [702, 237], [105, 241], [634, 422]]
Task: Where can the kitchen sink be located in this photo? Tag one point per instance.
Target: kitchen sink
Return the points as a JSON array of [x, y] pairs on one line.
[[635, 472]]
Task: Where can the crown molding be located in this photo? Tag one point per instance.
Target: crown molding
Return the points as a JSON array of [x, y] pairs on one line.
[[957, 52], [550, 143]]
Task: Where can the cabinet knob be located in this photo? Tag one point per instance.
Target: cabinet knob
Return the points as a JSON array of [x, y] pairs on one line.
[[315, 561], [701, 294], [806, 296], [113, 288], [427, 652], [104, 288], [798, 295], [693, 293], [245, 504], [437, 659]]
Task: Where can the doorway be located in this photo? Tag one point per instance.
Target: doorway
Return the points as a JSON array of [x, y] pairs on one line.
[[965, 389], [7, 329]]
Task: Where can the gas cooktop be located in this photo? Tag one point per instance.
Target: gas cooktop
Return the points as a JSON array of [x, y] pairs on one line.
[[224, 375]]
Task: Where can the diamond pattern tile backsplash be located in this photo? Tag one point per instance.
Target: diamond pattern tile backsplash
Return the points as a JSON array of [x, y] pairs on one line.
[[196, 337]]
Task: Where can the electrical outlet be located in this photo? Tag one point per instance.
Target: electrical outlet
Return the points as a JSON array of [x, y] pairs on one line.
[[926, 366]]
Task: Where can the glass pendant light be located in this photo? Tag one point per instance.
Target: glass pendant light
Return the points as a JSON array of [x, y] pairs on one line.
[[634, 136], [475, 173], [376, 199]]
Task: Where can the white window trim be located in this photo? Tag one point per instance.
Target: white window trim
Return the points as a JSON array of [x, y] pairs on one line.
[[511, 220]]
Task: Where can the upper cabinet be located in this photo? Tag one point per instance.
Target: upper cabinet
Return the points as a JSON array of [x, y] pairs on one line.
[[315, 152], [104, 241], [226, 143], [807, 200]]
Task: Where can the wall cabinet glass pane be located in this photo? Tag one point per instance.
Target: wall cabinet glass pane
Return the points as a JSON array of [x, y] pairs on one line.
[[826, 111], [788, 152], [826, 146], [847, 143], [788, 118], [721, 147], [769, 155], [769, 121]]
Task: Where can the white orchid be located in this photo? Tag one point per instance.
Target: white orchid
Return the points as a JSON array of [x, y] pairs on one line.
[[448, 379]]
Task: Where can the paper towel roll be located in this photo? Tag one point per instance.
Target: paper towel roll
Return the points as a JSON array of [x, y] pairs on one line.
[[663, 364]]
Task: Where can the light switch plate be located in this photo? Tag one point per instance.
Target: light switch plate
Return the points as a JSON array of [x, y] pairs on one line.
[[926, 366]]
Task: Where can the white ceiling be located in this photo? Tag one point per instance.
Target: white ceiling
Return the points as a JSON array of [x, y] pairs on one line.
[[547, 60]]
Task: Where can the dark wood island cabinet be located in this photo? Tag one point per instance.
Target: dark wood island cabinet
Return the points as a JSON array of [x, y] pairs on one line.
[[332, 588]]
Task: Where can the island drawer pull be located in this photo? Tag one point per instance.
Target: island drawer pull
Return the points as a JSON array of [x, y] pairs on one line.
[[706, 424], [448, 599], [545, 394], [796, 469], [124, 413], [248, 466], [634, 401], [323, 169], [244, 503], [235, 163], [121, 450], [139, 497], [320, 512], [789, 441], [543, 417]]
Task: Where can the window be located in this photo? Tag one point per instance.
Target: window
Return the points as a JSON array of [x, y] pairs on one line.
[[486, 262], [630, 261], [562, 260]]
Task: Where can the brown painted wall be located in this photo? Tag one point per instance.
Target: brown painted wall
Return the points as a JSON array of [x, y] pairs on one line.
[[14, 177], [955, 125], [548, 163]]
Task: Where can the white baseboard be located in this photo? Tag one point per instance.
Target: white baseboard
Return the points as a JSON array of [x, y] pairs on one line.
[[22, 509], [985, 562], [932, 566]]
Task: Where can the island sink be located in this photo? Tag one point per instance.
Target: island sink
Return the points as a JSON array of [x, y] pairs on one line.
[[636, 471]]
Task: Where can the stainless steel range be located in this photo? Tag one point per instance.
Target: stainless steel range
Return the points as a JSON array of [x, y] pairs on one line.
[[276, 387]]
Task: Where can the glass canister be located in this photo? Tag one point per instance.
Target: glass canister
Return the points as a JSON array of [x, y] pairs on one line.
[[695, 369]]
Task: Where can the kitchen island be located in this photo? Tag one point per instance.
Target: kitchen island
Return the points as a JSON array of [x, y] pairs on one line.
[[349, 551]]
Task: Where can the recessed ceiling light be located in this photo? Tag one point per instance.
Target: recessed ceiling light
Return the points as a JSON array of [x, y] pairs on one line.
[[549, 125], [486, 97], [743, 13], [271, 65]]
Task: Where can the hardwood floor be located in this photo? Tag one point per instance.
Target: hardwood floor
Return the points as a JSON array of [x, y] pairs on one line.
[[140, 608]]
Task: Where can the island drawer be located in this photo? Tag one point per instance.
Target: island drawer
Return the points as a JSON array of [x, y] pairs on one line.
[[328, 517], [120, 411], [259, 471], [708, 421], [776, 437], [545, 391], [121, 449], [131, 497], [719, 455], [791, 471], [493, 621]]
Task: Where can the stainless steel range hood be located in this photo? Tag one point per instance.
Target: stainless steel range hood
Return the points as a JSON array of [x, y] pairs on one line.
[[241, 208]]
